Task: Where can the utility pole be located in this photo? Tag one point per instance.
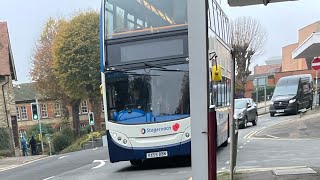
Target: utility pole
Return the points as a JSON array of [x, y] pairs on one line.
[[39, 122], [265, 94]]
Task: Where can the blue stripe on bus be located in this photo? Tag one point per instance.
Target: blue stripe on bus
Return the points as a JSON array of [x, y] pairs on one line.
[[137, 118]]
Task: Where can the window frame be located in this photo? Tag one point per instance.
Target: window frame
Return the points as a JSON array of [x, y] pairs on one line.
[[42, 110], [24, 118]]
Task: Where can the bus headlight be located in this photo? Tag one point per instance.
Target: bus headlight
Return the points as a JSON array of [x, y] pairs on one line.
[[292, 101], [271, 102], [186, 134], [120, 138]]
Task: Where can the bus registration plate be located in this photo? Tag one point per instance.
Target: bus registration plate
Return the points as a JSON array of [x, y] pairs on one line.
[[280, 111], [157, 154]]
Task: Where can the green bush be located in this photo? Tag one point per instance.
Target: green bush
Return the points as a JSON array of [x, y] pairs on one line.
[[79, 143], [62, 139], [4, 139], [85, 130]]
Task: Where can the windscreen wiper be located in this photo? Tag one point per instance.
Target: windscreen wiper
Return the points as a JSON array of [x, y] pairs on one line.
[[129, 73], [160, 68]]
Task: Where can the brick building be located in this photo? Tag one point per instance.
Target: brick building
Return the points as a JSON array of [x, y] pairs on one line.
[[50, 110], [8, 121], [273, 65], [249, 87], [289, 64]]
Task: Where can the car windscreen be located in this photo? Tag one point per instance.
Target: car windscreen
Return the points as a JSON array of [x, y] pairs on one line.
[[240, 104], [285, 90]]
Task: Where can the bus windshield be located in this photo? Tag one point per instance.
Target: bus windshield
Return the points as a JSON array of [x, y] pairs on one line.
[[131, 17], [148, 95]]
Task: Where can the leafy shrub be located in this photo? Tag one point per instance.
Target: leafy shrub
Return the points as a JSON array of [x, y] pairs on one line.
[[85, 130], [62, 139]]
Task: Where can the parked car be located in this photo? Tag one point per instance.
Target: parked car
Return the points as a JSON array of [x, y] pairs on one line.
[[245, 111]]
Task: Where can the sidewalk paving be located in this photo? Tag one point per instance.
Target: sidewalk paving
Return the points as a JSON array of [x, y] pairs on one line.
[[289, 173], [12, 162], [305, 126]]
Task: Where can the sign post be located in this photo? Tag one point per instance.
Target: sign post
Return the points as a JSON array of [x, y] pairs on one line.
[[199, 74], [315, 64]]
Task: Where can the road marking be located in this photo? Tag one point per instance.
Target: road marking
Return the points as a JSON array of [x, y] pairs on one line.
[[7, 168], [102, 163], [94, 149], [244, 143], [62, 157], [241, 147], [248, 141], [49, 178], [272, 136], [25, 163], [227, 162]]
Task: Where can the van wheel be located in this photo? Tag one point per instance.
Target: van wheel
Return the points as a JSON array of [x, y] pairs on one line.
[[272, 114]]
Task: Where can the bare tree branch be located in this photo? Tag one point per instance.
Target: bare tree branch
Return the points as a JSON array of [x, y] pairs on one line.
[[248, 41]]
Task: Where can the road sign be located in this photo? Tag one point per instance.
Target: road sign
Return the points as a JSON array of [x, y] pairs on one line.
[[91, 118], [315, 64]]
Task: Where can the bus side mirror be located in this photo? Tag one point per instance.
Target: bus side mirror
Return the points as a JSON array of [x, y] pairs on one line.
[[216, 73]]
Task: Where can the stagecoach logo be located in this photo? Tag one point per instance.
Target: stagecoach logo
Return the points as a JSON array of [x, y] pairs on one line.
[[175, 127]]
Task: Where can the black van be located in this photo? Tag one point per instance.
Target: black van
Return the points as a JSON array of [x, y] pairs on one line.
[[292, 93]]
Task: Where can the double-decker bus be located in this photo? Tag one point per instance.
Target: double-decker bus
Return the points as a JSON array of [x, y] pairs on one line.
[[145, 77]]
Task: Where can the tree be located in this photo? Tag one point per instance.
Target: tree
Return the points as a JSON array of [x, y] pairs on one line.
[[76, 62], [248, 40], [42, 69]]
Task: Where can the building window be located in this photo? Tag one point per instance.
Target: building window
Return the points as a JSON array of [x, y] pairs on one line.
[[24, 115], [57, 109], [18, 114], [22, 132], [84, 107], [44, 111], [83, 125]]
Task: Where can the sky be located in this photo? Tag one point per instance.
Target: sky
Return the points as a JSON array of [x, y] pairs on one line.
[[281, 21], [26, 20]]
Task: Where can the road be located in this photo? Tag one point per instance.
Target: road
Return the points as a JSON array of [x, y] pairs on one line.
[[253, 152]]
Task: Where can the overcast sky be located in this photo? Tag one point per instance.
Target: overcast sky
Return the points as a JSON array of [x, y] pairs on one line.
[[26, 19]]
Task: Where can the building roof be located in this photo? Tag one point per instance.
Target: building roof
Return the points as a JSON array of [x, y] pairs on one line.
[[7, 66], [25, 92], [253, 76], [274, 60]]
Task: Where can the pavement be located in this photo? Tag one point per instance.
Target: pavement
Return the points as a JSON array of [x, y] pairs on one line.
[[13, 162], [303, 127]]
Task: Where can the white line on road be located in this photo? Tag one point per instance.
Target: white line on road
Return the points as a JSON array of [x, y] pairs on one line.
[[241, 147], [248, 141], [94, 149], [49, 178], [102, 163], [62, 157], [272, 136], [227, 162], [244, 143]]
